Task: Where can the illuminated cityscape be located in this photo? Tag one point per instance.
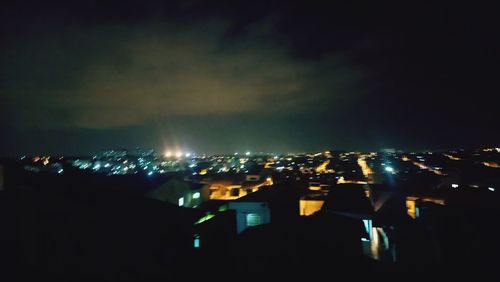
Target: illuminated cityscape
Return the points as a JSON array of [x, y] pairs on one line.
[[180, 140], [388, 193]]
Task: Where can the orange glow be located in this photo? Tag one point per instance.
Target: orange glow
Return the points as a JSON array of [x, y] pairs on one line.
[[203, 171], [322, 167], [491, 164], [228, 191], [411, 206], [405, 158], [269, 181], [375, 244], [453, 158], [309, 207], [365, 168], [341, 180], [269, 164], [423, 166], [433, 200]]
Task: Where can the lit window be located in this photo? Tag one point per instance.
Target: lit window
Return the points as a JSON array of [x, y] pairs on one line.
[[196, 195], [181, 201], [369, 227], [253, 219]]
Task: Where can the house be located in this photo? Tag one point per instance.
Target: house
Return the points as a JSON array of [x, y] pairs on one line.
[[308, 245], [232, 188], [351, 200], [277, 204], [182, 193], [250, 213]]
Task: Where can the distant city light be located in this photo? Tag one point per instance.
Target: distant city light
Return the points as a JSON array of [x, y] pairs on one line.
[[181, 201], [389, 169], [247, 153], [178, 154], [150, 173], [196, 195], [188, 155], [491, 189], [60, 171], [168, 154], [454, 185]]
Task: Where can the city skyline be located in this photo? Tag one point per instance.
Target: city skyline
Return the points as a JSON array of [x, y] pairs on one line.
[[187, 153]]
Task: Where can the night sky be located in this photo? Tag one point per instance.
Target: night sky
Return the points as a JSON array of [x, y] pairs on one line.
[[213, 77]]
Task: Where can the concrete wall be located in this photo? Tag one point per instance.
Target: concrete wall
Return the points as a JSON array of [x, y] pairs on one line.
[[244, 209]]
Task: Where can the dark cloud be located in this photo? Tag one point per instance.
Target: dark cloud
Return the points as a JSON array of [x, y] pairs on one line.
[[265, 75], [116, 76]]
